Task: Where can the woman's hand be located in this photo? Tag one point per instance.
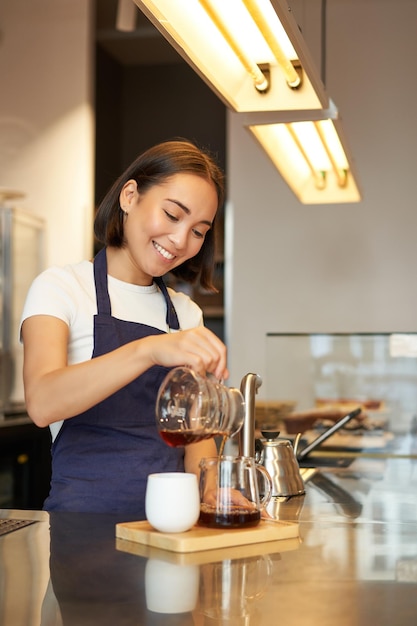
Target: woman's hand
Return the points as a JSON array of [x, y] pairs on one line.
[[199, 348], [227, 497], [232, 498]]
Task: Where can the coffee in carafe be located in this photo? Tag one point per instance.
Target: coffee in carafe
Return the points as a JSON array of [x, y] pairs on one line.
[[229, 492], [191, 407]]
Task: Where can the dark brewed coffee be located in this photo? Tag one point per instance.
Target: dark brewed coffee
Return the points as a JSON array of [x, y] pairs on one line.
[[178, 438], [236, 517]]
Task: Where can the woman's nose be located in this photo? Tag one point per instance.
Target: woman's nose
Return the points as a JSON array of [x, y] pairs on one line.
[[179, 238]]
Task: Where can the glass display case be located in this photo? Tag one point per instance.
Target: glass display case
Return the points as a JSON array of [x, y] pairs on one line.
[[21, 259], [375, 371]]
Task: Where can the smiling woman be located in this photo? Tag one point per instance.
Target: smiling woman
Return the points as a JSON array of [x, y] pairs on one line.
[[163, 227], [158, 217], [157, 166]]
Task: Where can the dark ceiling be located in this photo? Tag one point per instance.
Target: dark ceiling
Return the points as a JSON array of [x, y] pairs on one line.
[[143, 46]]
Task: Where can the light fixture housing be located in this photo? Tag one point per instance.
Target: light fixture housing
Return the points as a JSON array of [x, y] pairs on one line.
[[234, 44], [126, 16], [310, 152]]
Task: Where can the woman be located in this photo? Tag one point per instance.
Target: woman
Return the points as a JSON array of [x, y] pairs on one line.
[[99, 337]]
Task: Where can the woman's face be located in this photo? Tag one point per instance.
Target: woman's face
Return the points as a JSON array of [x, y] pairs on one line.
[[166, 225]]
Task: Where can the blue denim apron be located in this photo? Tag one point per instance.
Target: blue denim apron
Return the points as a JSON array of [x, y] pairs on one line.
[[102, 457]]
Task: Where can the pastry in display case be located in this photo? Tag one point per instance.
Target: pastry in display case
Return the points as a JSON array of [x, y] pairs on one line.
[[329, 375]]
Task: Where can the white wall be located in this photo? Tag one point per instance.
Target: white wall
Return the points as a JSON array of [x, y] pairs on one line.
[[346, 268], [46, 118]]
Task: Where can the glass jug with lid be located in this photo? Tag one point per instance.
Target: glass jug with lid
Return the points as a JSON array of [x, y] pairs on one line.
[[190, 407]]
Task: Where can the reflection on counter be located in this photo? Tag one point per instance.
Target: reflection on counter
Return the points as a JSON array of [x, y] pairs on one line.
[[230, 581], [286, 508], [378, 499], [230, 589], [94, 583], [24, 571], [345, 503], [171, 587]]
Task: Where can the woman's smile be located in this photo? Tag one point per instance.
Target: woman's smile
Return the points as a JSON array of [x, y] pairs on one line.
[[167, 255]]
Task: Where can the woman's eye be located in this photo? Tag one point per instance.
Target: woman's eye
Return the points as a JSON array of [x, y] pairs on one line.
[[170, 216], [174, 218]]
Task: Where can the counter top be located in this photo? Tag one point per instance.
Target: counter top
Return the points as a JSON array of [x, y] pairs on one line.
[[353, 564]]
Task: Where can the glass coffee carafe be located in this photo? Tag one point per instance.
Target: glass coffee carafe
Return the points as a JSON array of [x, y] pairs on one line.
[[191, 407], [230, 489]]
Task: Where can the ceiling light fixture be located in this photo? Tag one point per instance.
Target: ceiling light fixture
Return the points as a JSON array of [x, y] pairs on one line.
[[250, 52], [126, 16], [310, 153]]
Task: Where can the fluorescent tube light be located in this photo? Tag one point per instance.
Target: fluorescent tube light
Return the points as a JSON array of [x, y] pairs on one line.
[[250, 52], [310, 153]]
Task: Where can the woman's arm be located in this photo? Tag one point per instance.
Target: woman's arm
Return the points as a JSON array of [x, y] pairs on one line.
[[55, 390]]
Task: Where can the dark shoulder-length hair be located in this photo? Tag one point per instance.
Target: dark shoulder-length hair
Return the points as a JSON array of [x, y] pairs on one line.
[[153, 167]]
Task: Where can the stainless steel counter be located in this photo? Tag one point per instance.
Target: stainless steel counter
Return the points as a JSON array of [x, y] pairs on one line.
[[354, 564]]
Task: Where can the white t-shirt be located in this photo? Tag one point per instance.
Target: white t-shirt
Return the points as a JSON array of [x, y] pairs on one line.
[[69, 294]]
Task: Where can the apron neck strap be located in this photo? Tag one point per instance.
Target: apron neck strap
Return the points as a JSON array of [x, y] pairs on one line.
[[102, 292], [100, 278], [172, 317]]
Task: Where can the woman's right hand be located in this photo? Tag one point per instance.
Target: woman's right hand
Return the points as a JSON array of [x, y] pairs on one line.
[[198, 348]]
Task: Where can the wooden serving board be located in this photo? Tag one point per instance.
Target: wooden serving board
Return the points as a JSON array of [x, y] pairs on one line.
[[200, 538], [201, 557]]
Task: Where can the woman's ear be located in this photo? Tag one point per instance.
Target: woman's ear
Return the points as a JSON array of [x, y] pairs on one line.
[[128, 195]]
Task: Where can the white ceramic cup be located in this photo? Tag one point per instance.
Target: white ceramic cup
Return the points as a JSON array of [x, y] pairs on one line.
[[171, 587], [172, 501]]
